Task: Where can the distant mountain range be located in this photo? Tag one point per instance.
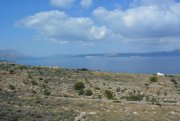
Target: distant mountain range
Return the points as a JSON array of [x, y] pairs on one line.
[[150, 54], [13, 54]]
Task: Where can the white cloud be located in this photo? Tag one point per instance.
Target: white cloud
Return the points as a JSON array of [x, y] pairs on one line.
[[147, 23], [160, 3], [86, 3], [60, 27], [142, 22], [62, 3]]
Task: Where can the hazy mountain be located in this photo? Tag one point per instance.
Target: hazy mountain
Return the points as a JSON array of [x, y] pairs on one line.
[[10, 54], [150, 54], [13, 54]]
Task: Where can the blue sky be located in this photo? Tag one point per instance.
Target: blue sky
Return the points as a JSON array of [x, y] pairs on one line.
[[50, 27]]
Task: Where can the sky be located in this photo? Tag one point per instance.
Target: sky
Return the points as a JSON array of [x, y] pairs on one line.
[[52, 27]]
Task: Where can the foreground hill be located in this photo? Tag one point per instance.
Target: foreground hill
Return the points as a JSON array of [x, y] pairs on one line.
[[57, 94]]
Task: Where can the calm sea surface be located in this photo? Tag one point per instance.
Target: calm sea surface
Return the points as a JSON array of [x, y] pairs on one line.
[[145, 65]]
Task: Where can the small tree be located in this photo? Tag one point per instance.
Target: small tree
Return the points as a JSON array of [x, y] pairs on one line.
[[79, 86], [108, 94]]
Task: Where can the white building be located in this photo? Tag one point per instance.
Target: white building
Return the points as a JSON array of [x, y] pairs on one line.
[[160, 74]]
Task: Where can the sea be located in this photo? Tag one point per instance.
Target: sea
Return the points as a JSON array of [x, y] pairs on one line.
[[134, 65]]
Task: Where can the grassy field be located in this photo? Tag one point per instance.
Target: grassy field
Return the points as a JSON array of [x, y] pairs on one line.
[[30, 93]]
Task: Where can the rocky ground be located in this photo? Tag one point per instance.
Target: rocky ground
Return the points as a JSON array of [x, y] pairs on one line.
[[30, 93]]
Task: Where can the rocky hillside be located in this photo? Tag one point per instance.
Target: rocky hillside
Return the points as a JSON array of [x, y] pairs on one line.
[[44, 93]]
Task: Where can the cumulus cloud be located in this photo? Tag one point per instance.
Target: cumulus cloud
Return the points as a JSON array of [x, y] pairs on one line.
[[143, 21], [146, 23], [60, 27], [149, 23], [62, 3], [86, 3]]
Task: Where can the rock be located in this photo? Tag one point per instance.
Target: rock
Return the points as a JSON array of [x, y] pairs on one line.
[[92, 113], [172, 112], [135, 113], [81, 117]]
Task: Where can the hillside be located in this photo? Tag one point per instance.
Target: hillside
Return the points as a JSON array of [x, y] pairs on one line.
[[57, 94], [10, 54]]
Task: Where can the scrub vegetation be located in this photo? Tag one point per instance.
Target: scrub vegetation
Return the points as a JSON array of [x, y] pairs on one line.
[[29, 93]]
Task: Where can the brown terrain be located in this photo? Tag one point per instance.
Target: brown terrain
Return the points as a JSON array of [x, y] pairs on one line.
[[29, 93]]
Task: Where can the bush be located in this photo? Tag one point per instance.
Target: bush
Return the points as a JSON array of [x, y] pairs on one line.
[[23, 67], [154, 79], [40, 78], [97, 88], [134, 97], [81, 92], [33, 82], [46, 81], [79, 86], [118, 89], [174, 81], [154, 100], [88, 93], [83, 69], [29, 76], [12, 87], [47, 92], [108, 94], [11, 71]]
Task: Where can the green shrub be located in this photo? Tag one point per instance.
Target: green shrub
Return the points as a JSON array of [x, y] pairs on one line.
[[118, 89], [33, 82], [11, 71], [38, 100], [12, 87], [116, 101], [146, 84], [79, 86], [83, 69], [154, 100], [47, 92], [81, 92], [154, 79], [46, 81], [88, 93], [165, 93], [97, 88], [29, 76], [23, 67], [134, 97], [25, 82], [174, 81], [40, 78], [108, 94]]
